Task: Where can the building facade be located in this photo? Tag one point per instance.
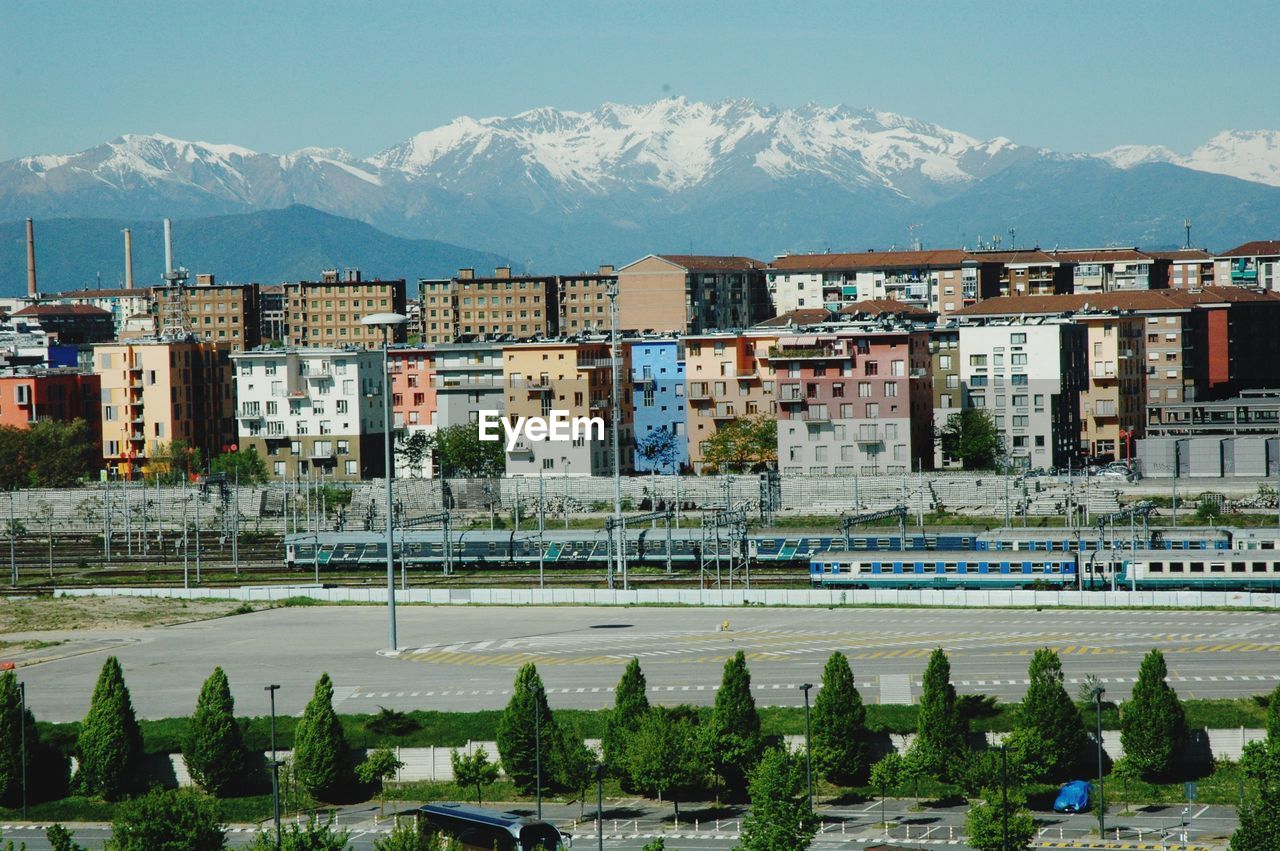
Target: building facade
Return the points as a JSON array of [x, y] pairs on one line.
[[314, 412], [575, 378], [122, 304], [155, 392], [466, 307], [468, 380], [854, 400], [1254, 265], [413, 401], [1028, 375], [328, 312], [657, 398], [692, 294], [217, 313], [63, 395], [70, 324], [727, 377], [1104, 270], [584, 302]]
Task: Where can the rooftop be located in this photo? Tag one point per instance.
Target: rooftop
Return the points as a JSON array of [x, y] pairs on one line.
[[1134, 300], [944, 258], [1258, 248]]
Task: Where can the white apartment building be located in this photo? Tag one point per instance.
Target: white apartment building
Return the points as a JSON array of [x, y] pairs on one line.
[[312, 412], [1029, 375]]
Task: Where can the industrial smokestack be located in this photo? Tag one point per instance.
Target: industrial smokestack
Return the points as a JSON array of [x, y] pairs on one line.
[[168, 248], [32, 291], [128, 259]]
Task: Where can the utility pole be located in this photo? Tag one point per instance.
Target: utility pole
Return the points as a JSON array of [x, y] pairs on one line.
[[275, 765], [615, 418]]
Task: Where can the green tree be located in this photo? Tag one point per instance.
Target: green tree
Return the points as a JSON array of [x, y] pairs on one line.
[[1260, 813], [1048, 734], [733, 734], [320, 745], [60, 454], [745, 444], [61, 839], [213, 746], [655, 844], [886, 774], [517, 742], [475, 771], [1153, 726], [412, 449], [664, 755], [660, 448], [167, 820], [173, 462], [780, 818], [1273, 717], [459, 452], [13, 458], [971, 437], [986, 821], [245, 466], [839, 736], [630, 705], [941, 730], [110, 744], [379, 767], [12, 721], [577, 766], [315, 835]]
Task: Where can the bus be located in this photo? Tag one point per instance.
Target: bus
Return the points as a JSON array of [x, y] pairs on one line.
[[480, 829]]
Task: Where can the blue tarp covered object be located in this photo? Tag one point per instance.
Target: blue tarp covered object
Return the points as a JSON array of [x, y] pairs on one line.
[[1072, 798]]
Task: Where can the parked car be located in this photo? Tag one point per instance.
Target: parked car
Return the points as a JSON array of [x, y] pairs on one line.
[[1073, 798]]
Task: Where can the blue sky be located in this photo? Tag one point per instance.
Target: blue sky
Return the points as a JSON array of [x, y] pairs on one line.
[[275, 76]]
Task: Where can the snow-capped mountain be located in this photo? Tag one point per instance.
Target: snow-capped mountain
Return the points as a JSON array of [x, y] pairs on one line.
[[1252, 155], [560, 188]]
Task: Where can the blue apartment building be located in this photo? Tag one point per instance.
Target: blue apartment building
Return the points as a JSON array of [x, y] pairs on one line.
[[657, 387]]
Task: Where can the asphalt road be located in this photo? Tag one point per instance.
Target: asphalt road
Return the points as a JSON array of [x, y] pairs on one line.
[[462, 658], [630, 824]]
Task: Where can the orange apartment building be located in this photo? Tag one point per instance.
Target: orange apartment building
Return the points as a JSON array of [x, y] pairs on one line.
[[30, 395], [575, 377], [727, 377], [154, 392], [328, 312], [413, 398]]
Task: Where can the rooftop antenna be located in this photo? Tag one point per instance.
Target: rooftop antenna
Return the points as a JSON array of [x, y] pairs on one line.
[[1013, 239], [1186, 223], [911, 235], [175, 307]]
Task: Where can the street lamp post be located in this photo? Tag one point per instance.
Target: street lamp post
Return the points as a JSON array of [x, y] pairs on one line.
[[538, 692], [1004, 798], [387, 321], [275, 764], [599, 770], [808, 762], [1098, 692], [22, 725]]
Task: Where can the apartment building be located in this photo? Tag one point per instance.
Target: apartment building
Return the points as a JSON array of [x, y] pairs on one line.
[[154, 392], [122, 304], [692, 294], [271, 313], [413, 399], [574, 377], [728, 376], [948, 396], [217, 313], [1030, 271], [1188, 268], [657, 398], [468, 380], [940, 281], [28, 395], [70, 324], [1255, 265], [466, 306], [1028, 374], [1104, 270], [314, 412], [328, 312], [854, 400], [584, 302]]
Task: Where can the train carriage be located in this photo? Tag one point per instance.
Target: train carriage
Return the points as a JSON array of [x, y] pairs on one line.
[[1217, 570], [944, 569]]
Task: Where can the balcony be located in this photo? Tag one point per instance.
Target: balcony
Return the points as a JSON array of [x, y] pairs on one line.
[[724, 411], [1106, 409], [869, 436], [600, 403], [807, 352], [320, 454], [699, 390], [523, 447], [818, 414], [1104, 371], [248, 413], [597, 363]]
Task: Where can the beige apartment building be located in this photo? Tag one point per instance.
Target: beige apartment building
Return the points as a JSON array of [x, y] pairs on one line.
[[217, 313], [692, 294], [466, 306], [584, 302], [1112, 408], [328, 312], [574, 377], [727, 377], [157, 391]]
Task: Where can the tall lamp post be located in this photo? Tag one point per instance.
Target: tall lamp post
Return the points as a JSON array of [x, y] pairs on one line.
[[275, 764], [538, 693], [1098, 692], [22, 725], [387, 321], [599, 772], [808, 762]]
